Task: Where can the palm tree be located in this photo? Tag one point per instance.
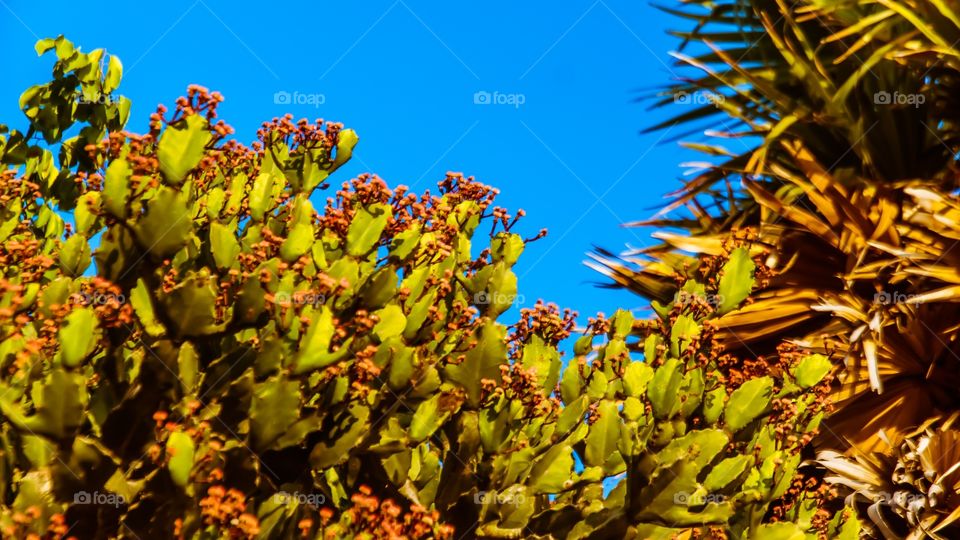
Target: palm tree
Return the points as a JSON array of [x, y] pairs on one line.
[[848, 114]]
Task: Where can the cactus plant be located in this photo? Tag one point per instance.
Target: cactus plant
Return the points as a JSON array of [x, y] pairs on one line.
[[191, 349]]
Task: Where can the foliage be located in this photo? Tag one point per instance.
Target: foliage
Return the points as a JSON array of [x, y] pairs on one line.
[[847, 190], [911, 492], [190, 349]]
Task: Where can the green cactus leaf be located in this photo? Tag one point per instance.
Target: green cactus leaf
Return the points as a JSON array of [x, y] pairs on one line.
[[418, 315], [671, 496], [239, 186], [812, 369], [633, 409], [314, 350], [553, 471], [180, 453], [274, 409], [401, 368], [480, 362], [848, 530], [367, 226], [380, 289], [736, 280], [342, 431], [684, 330], [56, 293], [501, 291], [786, 471], [85, 214], [664, 387], [391, 323], [506, 247], [181, 147], [346, 141], [492, 425], [78, 337], [9, 219], [405, 242], [75, 256], [426, 383], [516, 509], [713, 403], [251, 301], [426, 419], [543, 361], [59, 403], [636, 376], [261, 196], [215, 200], [188, 368], [779, 531], [313, 172], [748, 402], [725, 472], [191, 306], [699, 447], [604, 434], [431, 414], [223, 245], [650, 348], [298, 242], [167, 225], [116, 186], [114, 74], [622, 323], [583, 345], [572, 414], [143, 307], [691, 391], [598, 386], [571, 383]]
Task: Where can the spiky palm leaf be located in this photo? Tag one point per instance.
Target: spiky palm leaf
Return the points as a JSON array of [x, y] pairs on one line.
[[912, 492], [853, 199]]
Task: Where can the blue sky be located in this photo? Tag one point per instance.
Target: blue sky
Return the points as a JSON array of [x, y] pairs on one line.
[[556, 127]]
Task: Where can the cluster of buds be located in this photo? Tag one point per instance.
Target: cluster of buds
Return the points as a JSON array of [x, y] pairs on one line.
[[107, 300], [340, 209], [299, 134], [369, 517], [544, 320], [225, 509], [24, 254], [520, 384], [20, 525]]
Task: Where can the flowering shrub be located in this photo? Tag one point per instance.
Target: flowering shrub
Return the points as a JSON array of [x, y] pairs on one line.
[[184, 331]]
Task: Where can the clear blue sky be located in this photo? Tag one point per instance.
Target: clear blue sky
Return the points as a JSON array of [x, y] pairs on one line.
[[405, 74]]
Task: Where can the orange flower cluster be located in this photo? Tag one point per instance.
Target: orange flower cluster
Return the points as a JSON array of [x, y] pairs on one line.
[[226, 510], [386, 520]]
